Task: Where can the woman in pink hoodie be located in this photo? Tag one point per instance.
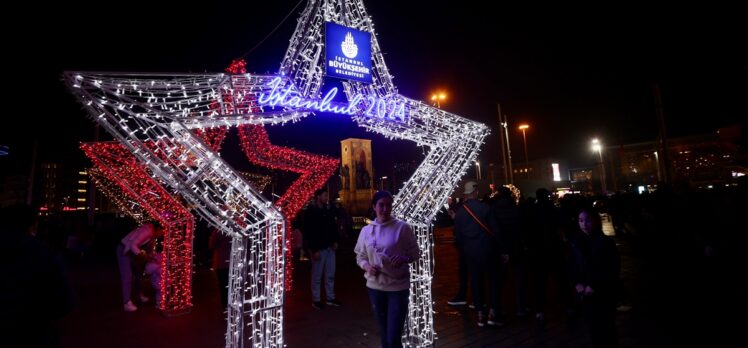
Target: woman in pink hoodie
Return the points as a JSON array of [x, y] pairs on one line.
[[385, 248]]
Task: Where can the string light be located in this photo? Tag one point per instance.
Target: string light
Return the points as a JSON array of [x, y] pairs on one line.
[[117, 196], [149, 116], [162, 109], [314, 171], [453, 141], [121, 178], [258, 181]]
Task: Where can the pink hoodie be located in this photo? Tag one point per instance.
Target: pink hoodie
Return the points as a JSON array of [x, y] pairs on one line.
[[377, 243]]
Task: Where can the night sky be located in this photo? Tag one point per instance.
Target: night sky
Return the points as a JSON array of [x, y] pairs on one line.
[[571, 73]]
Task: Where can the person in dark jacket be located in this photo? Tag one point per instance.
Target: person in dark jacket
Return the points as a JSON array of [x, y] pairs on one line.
[[547, 252], [595, 273], [477, 233], [35, 291], [462, 265], [320, 240], [509, 222]]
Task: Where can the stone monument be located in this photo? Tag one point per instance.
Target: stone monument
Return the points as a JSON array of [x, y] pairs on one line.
[[356, 174]]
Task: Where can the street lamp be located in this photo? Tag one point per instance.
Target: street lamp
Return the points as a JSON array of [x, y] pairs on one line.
[[437, 98], [381, 183], [523, 127], [477, 170], [596, 146]]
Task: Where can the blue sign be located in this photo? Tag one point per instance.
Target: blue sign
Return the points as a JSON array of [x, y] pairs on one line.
[[365, 106], [348, 53]]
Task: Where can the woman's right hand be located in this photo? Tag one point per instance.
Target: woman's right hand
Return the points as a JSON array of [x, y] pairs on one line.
[[372, 270]]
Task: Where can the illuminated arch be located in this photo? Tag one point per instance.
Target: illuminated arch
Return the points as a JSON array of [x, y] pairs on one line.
[[164, 109]]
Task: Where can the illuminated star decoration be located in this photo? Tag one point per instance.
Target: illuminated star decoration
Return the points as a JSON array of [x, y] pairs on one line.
[[314, 169], [118, 175], [255, 142], [152, 116], [129, 185], [136, 108], [453, 141]]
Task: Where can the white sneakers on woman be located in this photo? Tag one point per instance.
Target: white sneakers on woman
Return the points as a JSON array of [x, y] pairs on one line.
[[130, 307]]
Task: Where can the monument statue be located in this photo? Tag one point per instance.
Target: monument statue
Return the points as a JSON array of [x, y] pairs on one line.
[[346, 177]]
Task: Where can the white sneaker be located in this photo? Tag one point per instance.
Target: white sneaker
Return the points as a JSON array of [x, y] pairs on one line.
[[144, 298], [130, 307]]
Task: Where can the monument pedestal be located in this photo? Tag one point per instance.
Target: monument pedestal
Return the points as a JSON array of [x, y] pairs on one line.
[[357, 202]]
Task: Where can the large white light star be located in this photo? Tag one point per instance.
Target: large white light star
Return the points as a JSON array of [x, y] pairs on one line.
[[163, 109]]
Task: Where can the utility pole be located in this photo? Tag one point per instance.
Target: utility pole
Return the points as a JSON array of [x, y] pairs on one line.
[[508, 149], [503, 147]]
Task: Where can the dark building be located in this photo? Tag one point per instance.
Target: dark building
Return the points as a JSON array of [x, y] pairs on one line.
[[700, 161], [581, 180], [13, 189], [63, 188], [549, 173]]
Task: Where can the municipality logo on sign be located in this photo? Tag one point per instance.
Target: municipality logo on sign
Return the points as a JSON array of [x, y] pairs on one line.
[[349, 46], [348, 53]]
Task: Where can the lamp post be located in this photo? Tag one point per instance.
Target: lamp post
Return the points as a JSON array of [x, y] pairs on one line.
[[505, 123], [596, 146], [438, 98], [381, 183], [524, 127], [477, 170]]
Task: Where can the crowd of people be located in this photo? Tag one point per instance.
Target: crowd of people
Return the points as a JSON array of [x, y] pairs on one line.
[[533, 245], [535, 241]]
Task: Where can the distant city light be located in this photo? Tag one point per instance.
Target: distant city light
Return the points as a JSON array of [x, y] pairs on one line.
[[556, 172]]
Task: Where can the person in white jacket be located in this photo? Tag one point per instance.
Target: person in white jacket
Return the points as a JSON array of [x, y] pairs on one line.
[[385, 249], [130, 246]]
